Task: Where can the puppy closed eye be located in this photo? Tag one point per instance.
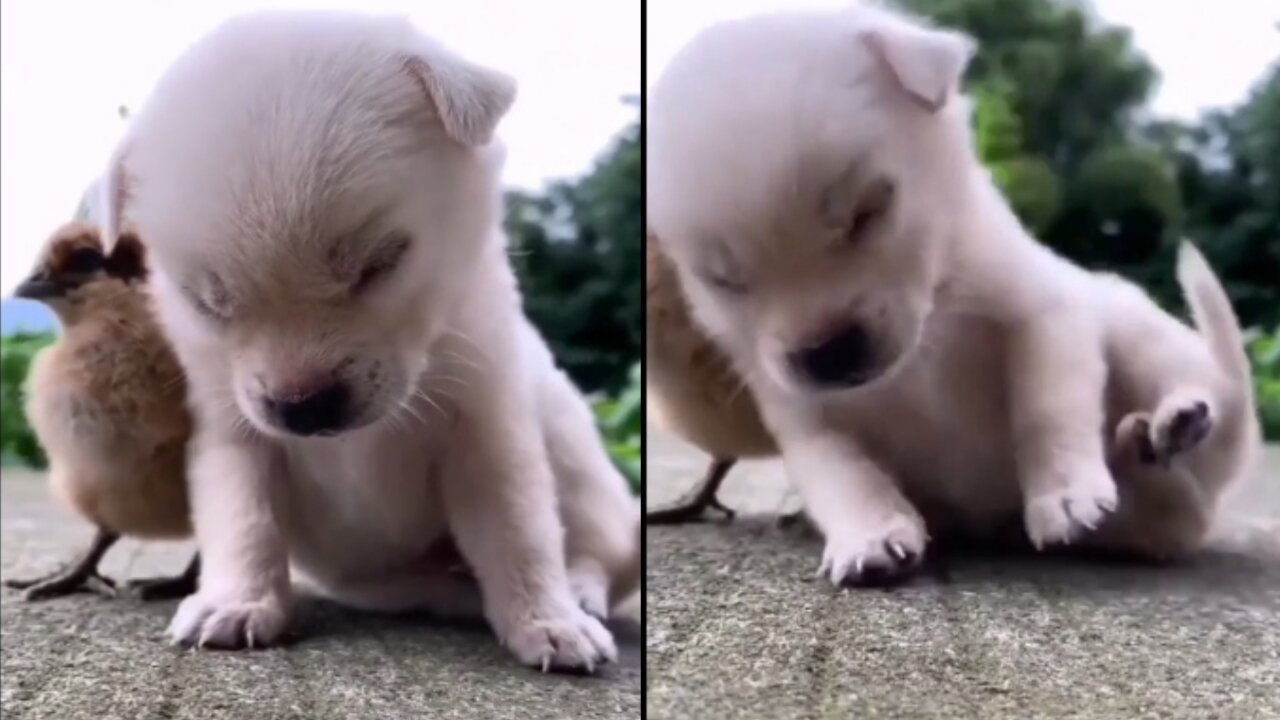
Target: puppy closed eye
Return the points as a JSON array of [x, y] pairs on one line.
[[207, 310], [214, 304], [721, 270], [726, 284], [383, 262], [873, 205]]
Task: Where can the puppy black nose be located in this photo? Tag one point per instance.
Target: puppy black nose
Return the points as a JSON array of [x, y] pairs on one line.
[[324, 410], [843, 359]]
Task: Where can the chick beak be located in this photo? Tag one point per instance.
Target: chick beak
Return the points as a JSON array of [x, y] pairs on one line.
[[39, 287]]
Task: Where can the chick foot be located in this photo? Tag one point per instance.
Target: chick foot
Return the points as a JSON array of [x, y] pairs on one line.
[[704, 498], [79, 576]]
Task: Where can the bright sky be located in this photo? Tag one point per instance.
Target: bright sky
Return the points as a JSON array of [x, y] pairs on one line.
[[67, 65], [1208, 53]]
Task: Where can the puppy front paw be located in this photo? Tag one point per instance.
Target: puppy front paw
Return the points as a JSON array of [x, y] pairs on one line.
[[229, 624], [567, 640], [876, 553], [1060, 514]]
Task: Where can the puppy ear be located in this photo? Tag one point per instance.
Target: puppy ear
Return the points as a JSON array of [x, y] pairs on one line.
[[926, 63], [127, 260], [469, 99], [115, 191]]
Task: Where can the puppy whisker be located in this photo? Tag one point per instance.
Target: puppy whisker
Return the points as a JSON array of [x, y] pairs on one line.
[[471, 343], [458, 381], [406, 406]]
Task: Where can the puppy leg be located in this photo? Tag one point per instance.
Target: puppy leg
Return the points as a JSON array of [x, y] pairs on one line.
[[1180, 422], [244, 595], [601, 516], [1058, 377], [500, 496], [1164, 510], [873, 533]]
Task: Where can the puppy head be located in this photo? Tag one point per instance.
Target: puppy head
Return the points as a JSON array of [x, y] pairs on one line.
[[321, 187], [73, 273], [804, 173]]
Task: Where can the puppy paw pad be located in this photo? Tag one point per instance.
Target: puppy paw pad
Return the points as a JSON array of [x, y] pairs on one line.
[[1180, 427]]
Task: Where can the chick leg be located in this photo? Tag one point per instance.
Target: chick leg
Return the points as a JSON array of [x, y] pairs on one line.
[[704, 497], [171, 587], [80, 575]]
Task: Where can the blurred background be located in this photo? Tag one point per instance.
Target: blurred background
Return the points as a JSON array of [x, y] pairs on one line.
[[573, 169], [1116, 128]]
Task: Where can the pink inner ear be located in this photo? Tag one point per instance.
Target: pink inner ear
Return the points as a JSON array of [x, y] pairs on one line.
[[422, 74], [889, 55]]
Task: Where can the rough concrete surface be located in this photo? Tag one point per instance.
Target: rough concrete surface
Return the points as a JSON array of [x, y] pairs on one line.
[[738, 628], [86, 657]]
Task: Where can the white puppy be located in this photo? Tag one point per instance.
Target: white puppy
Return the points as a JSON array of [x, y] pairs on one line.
[[321, 193], [914, 351]]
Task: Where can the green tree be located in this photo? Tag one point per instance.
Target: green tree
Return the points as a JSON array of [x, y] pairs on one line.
[[1058, 99], [1228, 169], [577, 249], [17, 440]]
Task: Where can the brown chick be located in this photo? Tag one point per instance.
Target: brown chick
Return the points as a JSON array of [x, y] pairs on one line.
[[694, 391], [107, 402]]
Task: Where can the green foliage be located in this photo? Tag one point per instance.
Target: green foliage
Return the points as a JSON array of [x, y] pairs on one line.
[[1229, 173], [1055, 96], [577, 250], [18, 443], [621, 420], [1265, 352], [1055, 91], [1057, 99]]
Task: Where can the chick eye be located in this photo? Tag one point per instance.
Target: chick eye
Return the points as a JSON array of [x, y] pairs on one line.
[[83, 261], [872, 206], [383, 263]]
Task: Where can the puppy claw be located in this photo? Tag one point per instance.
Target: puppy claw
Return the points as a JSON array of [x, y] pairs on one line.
[[898, 552], [1059, 516], [876, 561], [570, 640], [206, 624]]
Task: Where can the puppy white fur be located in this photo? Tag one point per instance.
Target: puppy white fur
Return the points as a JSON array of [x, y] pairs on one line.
[[322, 193], [915, 352]]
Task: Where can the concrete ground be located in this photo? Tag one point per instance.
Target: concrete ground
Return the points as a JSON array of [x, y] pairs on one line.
[[86, 657], [736, 626]]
